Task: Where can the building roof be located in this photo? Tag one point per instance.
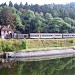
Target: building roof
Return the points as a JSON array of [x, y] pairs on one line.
[[6, 28]]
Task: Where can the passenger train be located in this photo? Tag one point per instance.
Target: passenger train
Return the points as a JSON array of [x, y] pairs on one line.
[[52, 35], [44, 35]]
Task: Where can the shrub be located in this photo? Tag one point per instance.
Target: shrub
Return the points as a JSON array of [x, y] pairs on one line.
[[17, 45], [24, 44], [5, 46], [10, 48], [71, 41], [13, 45]]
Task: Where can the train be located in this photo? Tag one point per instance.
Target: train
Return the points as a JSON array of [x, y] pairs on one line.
[[43, 35]]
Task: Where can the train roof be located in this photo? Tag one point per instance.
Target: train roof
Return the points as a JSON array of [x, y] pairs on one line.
[[45, 33], [68, 33]]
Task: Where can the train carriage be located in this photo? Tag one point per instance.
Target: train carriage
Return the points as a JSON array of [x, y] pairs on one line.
[[20, 36], [68, 35], [45, 35]]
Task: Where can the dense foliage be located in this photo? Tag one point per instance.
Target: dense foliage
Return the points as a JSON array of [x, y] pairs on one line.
[[12, 45], [55, 18]]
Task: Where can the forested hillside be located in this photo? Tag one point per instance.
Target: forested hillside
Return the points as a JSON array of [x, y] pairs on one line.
[[25, 18]]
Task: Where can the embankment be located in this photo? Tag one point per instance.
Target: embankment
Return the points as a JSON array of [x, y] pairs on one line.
[[36, 44]]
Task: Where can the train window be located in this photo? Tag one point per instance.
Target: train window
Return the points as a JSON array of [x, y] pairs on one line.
[[50, 35], [43, 35], [36, 35], [73, 35], [31, 35], [57, 35], [47, 35], [66, 35]]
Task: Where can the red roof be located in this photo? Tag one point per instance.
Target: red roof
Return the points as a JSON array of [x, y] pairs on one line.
[[5, 28]]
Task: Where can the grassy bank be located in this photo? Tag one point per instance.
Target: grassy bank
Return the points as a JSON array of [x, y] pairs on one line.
[[47, 44], [36, 44]]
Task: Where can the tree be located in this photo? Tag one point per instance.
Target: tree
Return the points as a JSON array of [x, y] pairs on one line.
[[7, 17], [16, 6], [38, 25], [65, 28], [57, 25], [70, 21], [26, 5], [3, 4], [30, 14], [10, 4], [48, 16], [18, 21], [21, 5]]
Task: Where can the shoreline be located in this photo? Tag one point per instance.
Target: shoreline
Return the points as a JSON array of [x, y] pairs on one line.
[[41, 53]]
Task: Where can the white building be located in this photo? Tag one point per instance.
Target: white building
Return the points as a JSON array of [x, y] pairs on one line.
[[6, 32]]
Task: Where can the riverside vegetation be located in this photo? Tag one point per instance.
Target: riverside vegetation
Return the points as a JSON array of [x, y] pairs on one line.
[[36, 44]]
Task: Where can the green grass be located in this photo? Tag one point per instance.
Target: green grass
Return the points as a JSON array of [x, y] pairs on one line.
[[36, 44], [51, 43], [48, 48]]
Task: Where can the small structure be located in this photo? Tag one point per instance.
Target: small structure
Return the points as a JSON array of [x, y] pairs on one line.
[[6, 32]]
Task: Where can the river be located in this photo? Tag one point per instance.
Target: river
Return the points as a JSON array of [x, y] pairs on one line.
[[60, 66], [52, 64]]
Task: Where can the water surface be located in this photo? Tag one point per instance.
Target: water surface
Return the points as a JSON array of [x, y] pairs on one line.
[[60, 66]]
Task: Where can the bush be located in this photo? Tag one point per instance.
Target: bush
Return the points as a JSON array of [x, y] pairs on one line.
[[10, 48], [24, 44], [71, 41], [5, 46], [17, 45]]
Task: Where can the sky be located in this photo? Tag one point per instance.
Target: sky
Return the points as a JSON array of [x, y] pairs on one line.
[[40, 2]]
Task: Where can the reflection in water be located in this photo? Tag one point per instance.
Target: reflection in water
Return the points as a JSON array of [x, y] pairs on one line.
[[63, 66], [6, 63]]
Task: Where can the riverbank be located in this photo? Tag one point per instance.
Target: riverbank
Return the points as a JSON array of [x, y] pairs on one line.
[[41, 55], [36, 44], [50, 43]]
